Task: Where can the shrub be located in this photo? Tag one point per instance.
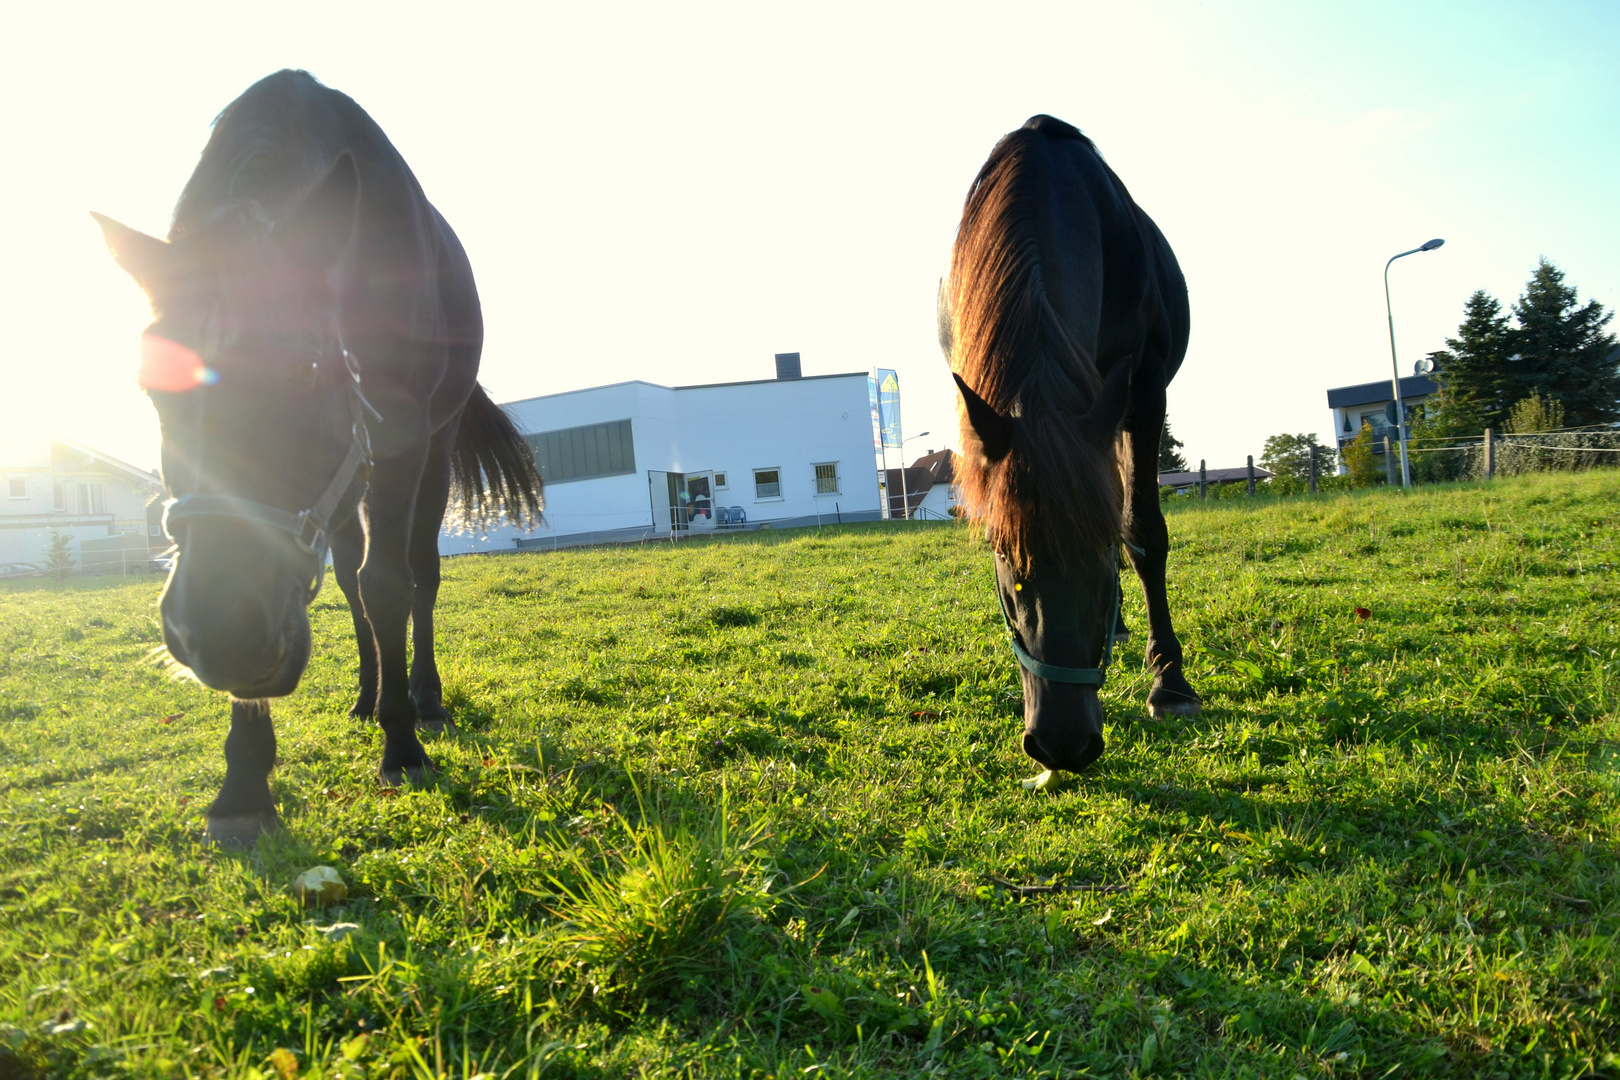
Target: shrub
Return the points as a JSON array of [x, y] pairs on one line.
[[1359, 460], [1535, 413]]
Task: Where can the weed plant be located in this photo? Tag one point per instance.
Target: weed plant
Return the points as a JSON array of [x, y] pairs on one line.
[[750, 807]]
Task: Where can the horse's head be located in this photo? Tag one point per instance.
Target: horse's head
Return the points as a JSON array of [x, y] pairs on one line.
[[1046, 486], [245, 365]]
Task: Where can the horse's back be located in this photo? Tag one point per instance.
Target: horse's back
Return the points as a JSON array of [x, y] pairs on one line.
[[413, 286], [1110, 273]]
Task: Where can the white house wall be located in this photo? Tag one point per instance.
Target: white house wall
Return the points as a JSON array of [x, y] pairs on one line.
[[26, 524], [734, 428]]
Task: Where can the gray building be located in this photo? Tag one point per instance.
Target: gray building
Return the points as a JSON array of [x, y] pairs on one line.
[[1366, 403]]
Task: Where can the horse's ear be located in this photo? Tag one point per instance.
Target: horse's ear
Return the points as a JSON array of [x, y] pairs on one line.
[[318, 229], [994, 430], [1102, 421], [142, 257]]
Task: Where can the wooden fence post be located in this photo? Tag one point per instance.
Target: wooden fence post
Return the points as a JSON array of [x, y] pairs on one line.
[[1251, 474], [1490, 454], [1203, 479], [1314, 467]]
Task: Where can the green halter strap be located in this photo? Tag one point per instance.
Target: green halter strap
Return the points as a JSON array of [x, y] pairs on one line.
[[1083, 676]]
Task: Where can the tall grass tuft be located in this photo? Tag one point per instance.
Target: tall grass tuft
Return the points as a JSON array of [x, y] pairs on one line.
[[650, 915]]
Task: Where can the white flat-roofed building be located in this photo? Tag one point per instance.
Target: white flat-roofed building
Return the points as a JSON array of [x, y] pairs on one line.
[[638, 461]]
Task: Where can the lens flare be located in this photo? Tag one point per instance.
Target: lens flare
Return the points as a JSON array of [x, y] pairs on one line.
[[170, 366]]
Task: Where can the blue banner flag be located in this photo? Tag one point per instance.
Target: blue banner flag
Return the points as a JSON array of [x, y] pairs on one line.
[[889, 405]]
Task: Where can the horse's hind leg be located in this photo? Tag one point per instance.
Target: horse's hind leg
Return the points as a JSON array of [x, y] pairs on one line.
[[1171, 695], [386, 591], [348, 549], [426, 690], [244, 810]]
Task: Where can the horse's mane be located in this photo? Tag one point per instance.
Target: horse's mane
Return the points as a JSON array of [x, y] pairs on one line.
[[1055, 491], [267, 148]]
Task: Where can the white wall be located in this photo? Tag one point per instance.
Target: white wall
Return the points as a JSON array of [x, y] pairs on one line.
[[790, 425], [938, 502], [26, 524]]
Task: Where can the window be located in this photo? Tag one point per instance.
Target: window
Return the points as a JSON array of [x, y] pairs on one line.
[[767, 483], [18, 487], [584, 453], [71, 498], [827, 478], [719, 479]]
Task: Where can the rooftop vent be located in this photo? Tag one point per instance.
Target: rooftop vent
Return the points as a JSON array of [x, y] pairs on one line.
[[787, 366]]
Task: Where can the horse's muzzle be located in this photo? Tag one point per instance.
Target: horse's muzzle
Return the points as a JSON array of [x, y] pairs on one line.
[[1062, 724], [236, 635]]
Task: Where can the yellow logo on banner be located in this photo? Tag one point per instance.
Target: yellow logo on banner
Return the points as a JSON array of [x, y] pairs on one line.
[[891, 383]]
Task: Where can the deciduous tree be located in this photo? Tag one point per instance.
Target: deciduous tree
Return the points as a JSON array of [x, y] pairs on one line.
[[1289, 456]]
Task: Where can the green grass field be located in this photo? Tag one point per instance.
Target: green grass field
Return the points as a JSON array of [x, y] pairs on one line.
[[748, 808]]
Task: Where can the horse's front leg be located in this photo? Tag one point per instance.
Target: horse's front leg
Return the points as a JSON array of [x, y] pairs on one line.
[[348, 549], [387, 589], [1149, 541], [243, 811]]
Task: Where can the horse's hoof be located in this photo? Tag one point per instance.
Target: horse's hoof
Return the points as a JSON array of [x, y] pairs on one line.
[[1122, 637], [436, 725], [413, 774], [361, 712], [240, 830], [1166, 703]]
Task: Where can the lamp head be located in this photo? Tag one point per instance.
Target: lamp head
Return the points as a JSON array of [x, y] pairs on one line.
[[1431, 245]]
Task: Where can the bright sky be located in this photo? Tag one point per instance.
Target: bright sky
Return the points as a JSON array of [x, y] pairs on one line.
[[676, 192]]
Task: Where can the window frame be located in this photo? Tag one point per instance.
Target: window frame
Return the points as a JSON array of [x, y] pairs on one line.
[[11, 487], [816, 468], [720, 480], [778, 497]]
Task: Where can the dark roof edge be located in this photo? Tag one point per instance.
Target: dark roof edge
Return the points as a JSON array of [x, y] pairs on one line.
[[1366, 393]]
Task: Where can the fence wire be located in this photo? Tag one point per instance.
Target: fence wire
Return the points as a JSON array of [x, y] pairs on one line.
[[1516, 455]]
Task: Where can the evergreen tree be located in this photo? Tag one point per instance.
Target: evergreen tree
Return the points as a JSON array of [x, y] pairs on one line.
[[1170, 459], [59, 553], [1475, 368], [1562, 351]]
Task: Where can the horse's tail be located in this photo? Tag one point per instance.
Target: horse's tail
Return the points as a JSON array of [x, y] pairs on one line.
[[493, 469]]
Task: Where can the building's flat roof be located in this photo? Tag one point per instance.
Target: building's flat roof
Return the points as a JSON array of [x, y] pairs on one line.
[[1412, 386], [693, 386]]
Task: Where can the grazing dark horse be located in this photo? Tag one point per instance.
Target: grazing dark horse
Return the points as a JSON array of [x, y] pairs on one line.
[[1064, 319], [313, 358]]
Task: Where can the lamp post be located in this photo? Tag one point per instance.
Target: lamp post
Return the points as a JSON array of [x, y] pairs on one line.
[[905, 494], [1394, 365]]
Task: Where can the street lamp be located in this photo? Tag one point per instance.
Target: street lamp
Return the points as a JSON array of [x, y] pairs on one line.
[[905, 495], [1394, 366]]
